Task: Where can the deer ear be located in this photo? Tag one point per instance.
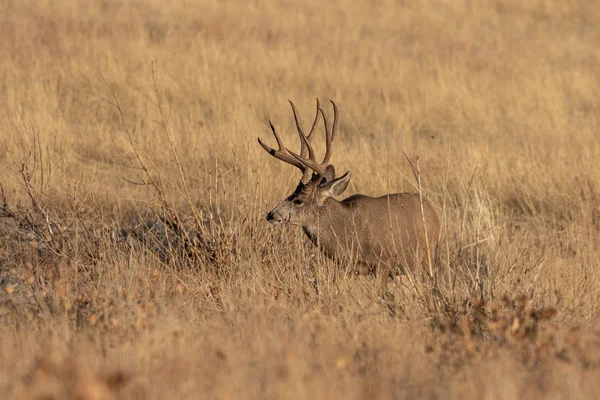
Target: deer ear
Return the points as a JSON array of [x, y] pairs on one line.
[[335, 187], [329, 173]]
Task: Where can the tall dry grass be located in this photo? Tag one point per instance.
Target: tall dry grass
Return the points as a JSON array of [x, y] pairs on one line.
[[135, 258]]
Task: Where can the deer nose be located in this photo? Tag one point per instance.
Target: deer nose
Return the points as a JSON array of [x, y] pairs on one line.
[[273, 217]]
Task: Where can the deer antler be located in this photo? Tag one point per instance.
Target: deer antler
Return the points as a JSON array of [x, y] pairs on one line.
[[282, 153], [329, 137], [300, 161], [301, 134]]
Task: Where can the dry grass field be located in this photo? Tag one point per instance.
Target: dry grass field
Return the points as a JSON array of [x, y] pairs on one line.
[[135, 258]]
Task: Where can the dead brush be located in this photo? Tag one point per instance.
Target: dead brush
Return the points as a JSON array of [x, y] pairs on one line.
[[198, 234], [478, 329], [40, 226], [43, 227], [177, 241], [48, 231]]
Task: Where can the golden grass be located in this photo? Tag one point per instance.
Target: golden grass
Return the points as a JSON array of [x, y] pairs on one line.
[[500, 100]]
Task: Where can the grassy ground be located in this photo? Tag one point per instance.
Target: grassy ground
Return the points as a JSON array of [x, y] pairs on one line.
[[136, 262]]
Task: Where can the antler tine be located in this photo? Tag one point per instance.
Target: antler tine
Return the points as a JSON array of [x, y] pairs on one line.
[[311, 152], [282, 153], [277, 138], [316, 121], [305, 140], [335, 120], [329, 135], [298, 120]]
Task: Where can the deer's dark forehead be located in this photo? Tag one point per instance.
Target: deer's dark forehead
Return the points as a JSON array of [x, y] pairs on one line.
[[300, 190], [303, 189]]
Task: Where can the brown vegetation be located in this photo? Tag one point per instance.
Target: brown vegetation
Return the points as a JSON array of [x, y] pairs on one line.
[[135, 259]]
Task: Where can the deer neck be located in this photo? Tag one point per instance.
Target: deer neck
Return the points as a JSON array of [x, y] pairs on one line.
[[328, 216]]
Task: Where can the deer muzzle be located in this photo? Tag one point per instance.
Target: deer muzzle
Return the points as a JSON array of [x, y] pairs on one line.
[[274, 217]]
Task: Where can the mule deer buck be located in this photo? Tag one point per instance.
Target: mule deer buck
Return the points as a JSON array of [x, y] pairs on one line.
[[374, 234]]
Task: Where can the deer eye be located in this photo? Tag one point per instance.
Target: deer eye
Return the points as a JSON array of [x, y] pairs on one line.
[[298, 201]]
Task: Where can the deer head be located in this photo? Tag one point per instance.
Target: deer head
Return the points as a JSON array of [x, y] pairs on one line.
[[318, 182]]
